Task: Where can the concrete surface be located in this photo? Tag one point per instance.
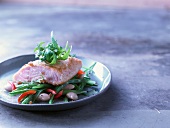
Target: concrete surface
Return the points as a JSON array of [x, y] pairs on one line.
[[108, 3], [133, 43]]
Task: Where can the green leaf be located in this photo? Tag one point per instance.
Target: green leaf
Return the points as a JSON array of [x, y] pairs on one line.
[[54, 42], [66, 45], [52, 52], [54, 61], [48, 54], [39, 46], [65, 55]]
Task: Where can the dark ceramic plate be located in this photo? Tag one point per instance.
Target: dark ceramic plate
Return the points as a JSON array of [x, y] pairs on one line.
[[102, 76]]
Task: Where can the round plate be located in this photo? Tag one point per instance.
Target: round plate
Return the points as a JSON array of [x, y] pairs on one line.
[[101, 75]]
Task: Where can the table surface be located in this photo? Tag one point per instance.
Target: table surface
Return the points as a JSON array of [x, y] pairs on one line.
[[133, 43]]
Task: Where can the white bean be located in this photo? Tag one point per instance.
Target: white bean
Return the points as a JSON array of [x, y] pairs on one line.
[[8, 87], [69, 86], [72, 96], [43, 97]]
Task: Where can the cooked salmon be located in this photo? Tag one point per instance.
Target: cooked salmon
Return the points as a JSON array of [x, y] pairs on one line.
[[56, 74]]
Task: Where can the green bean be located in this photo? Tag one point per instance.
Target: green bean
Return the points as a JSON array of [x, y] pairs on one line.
[[81, 86], [89, 70], [75, 91], [51, 99], [59, 88], [75, 81], [37, 94], [16, 92], [27, 99], [91, 82], [24, 86], [40, 86], [65, 99]]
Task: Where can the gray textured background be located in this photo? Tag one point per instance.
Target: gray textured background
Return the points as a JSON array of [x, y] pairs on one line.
[[133, 43]]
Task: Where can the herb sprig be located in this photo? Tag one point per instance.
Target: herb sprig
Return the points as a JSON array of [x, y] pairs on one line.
[[52, 52]]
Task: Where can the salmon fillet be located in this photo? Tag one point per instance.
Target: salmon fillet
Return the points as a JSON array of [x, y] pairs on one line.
[[56, 74]]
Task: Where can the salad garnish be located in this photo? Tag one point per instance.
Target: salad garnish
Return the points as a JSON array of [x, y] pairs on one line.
[[52, 52]]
